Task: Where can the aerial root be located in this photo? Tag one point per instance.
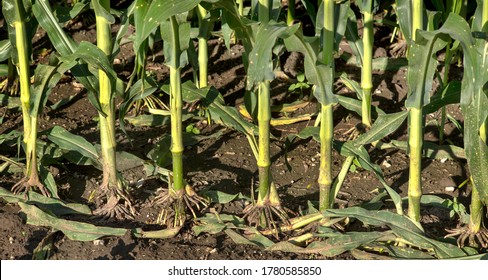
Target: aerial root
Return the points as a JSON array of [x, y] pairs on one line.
[[263, 215], [174, 203], [464, 234], [113, 207], [26, 184]]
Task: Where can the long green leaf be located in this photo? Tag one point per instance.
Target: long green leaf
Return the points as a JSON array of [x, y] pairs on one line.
[[51, 205], [72, 229], [474, 102], [84, 151], [382, 127], [316, 73], [402, 226], [260, 63], [158, 11]]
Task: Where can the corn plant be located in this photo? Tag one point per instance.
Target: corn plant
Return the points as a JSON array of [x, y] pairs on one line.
[[113, 186], [17, 17], [415, 102], [473, 104], [326, 116]]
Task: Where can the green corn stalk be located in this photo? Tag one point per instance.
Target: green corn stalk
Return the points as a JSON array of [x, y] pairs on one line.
[[367, 67], [112, 185], [176, 105], [326, 121], [16, 16], [202, 47], [415, 135], [267, 192]]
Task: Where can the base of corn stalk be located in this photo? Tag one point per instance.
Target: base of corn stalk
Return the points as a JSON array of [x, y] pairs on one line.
[[118, 205], [465, 233], [264, 211], [28, 183], [175, 204]]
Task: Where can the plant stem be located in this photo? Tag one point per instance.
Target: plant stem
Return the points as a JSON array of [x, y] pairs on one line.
[[326, 116], [415, 136], [241, 7], [264, 162], [107, 118], [418, 19], [476, 211], [29, 122], [290, 16], [176, 104], [202, 50], [367, 69], [415, 142]]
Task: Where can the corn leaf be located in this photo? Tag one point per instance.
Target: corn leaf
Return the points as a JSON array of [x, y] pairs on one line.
[[341, 14], [332, 246], [45, 79], [318, 74], [219, 112], [254, 238], [352, 36], [55, 206], [394, 252], [348, 149], [451, 94], [241, 26], [73, 230], [382, 127], [404, 8], [79, 150], [65, 46], [422, 64], [354, 105], [401, 226], [474, 101], [260, 63], [155, 12], [5, 50]]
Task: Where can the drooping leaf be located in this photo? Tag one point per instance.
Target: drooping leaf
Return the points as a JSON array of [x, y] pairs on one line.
[[382, 127], [156, 12], [260, 63], [332, 246], [401, 226], [450, 95], [72, 229], [65, 46], [474, 101], [79, 150], [51, 205], [45, 79], [253, 238], [354, 105], [318, 74], [348, 149]]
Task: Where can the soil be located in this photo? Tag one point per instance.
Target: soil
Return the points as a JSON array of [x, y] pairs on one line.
[[225, 163]]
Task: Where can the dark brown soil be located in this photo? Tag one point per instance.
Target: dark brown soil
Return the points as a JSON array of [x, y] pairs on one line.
[[225, 164]]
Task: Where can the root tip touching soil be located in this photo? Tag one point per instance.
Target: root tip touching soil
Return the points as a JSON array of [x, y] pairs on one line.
[[474, 239], [26, 184], [174, 205]]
